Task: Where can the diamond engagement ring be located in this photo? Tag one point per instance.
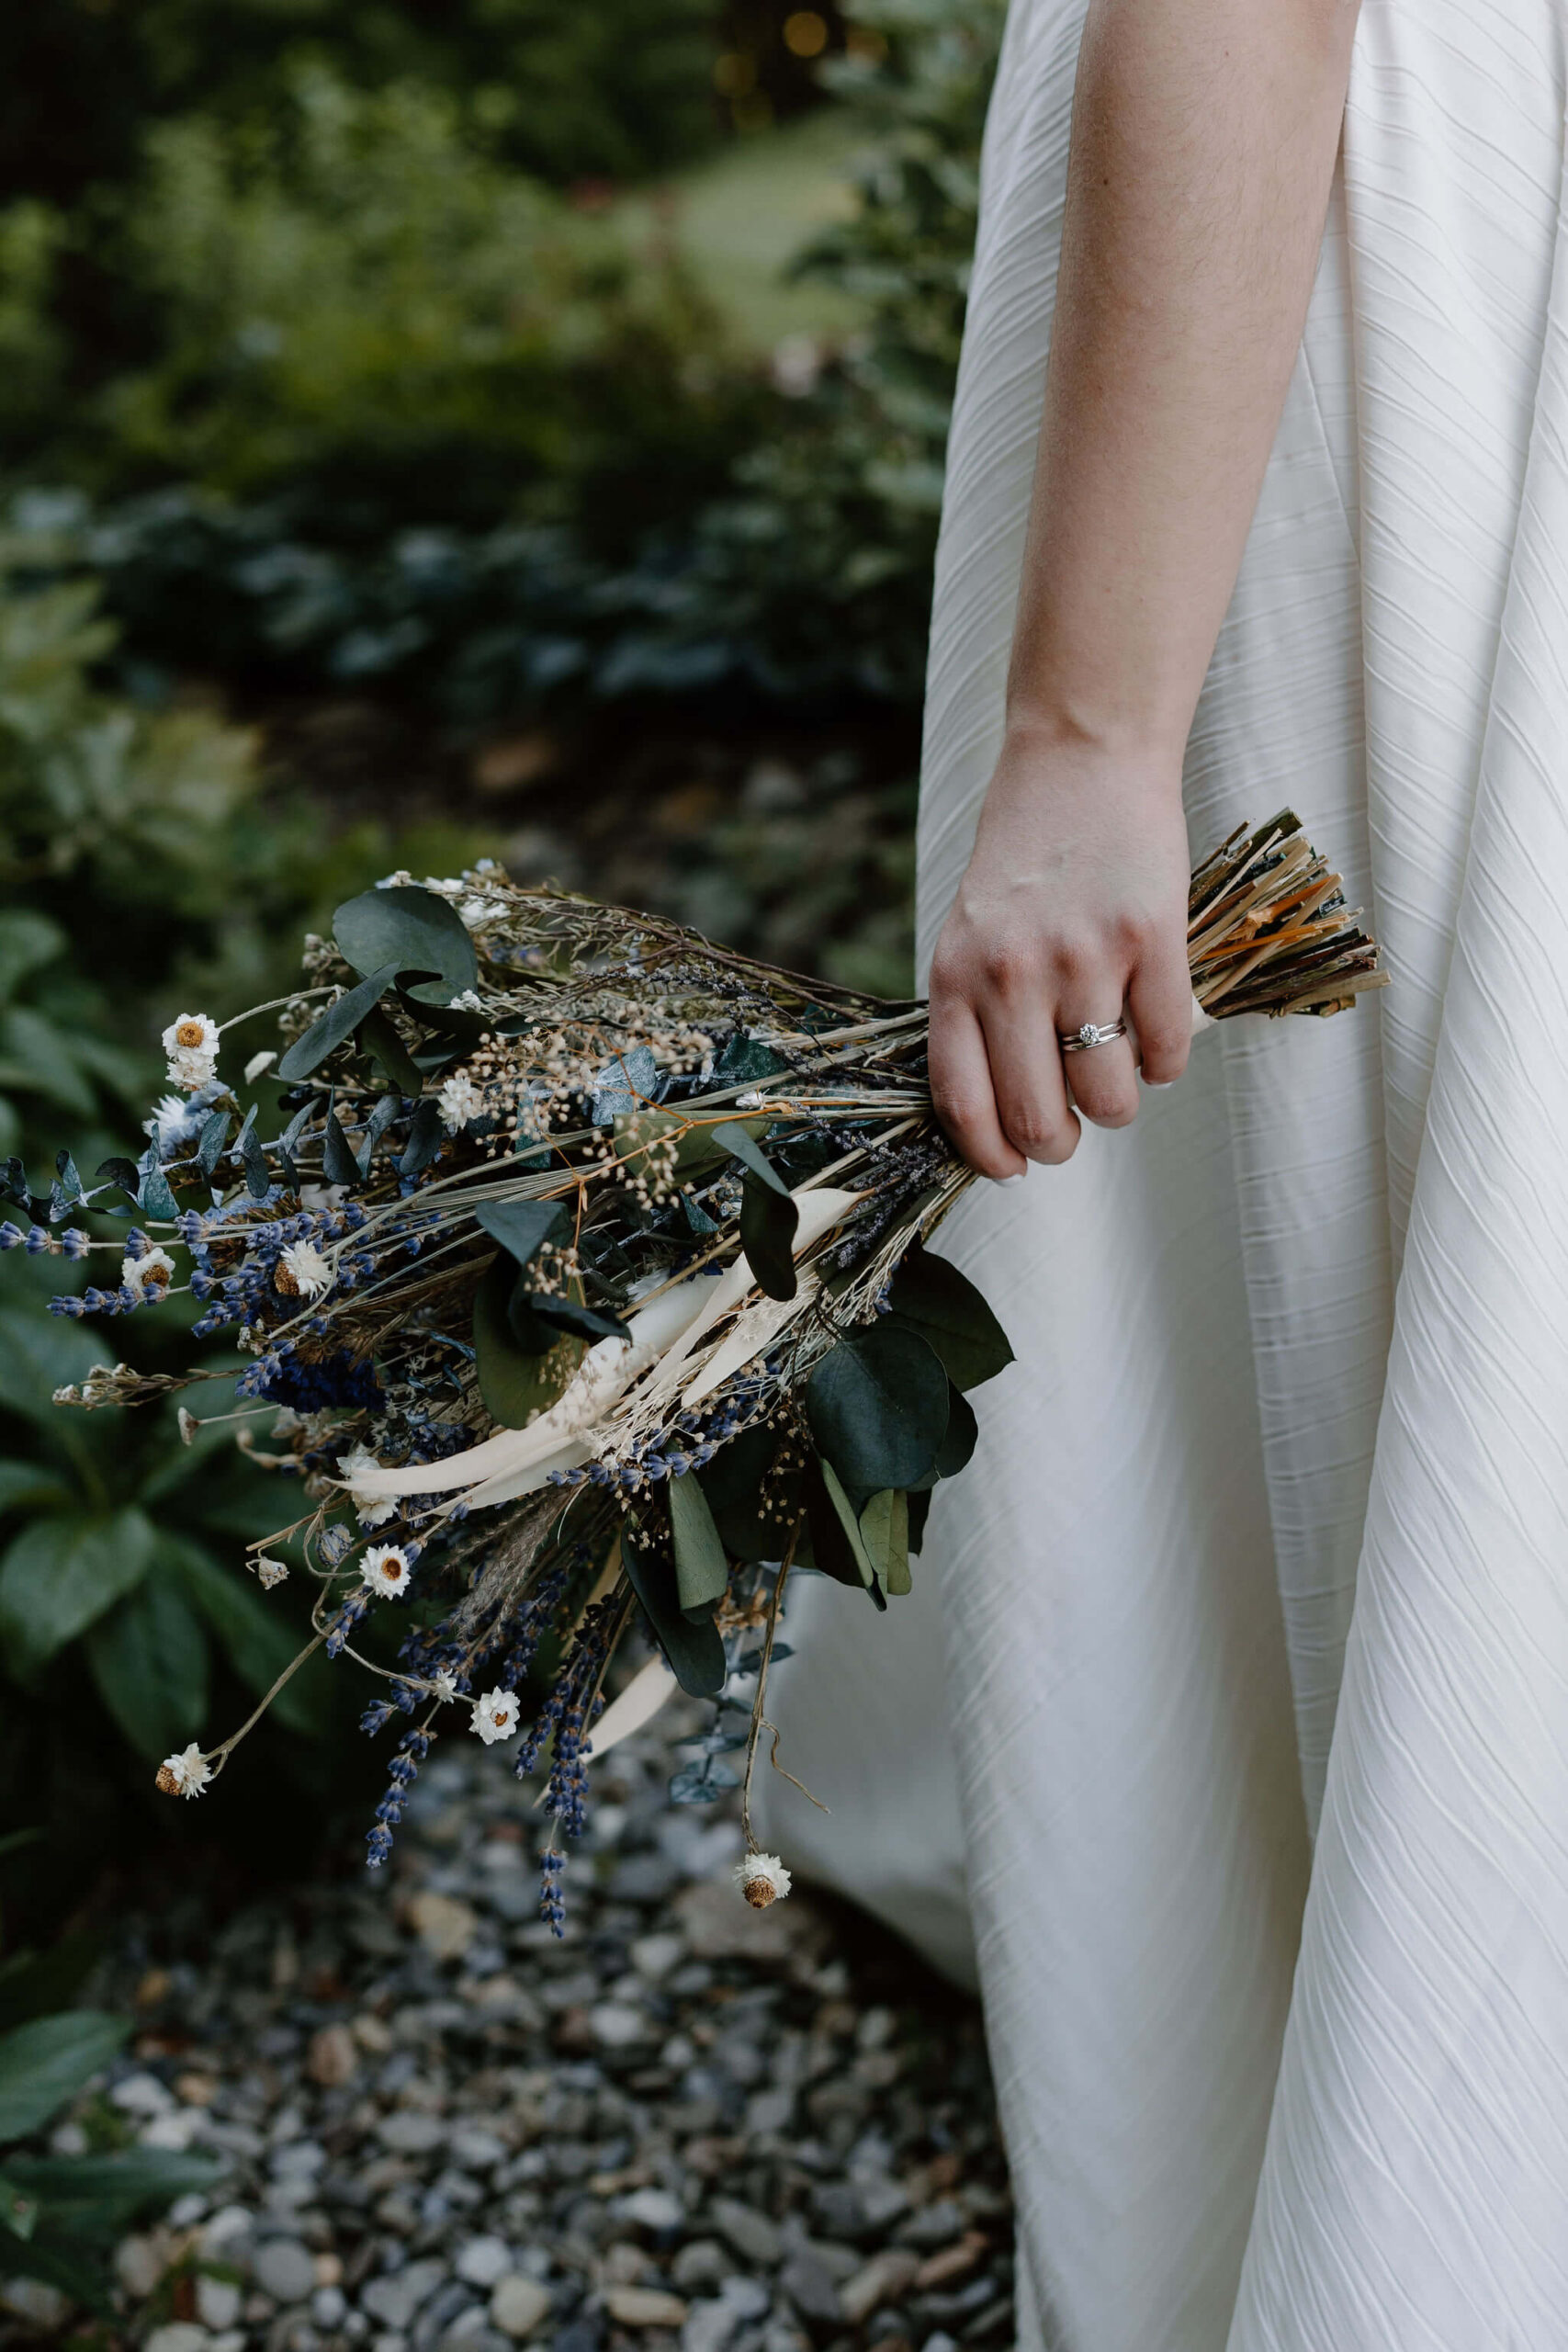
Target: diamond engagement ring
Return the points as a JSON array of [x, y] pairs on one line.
[[1093, 1032]]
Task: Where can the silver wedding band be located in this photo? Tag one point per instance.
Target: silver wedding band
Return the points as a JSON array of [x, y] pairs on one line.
[[1092, 1033]]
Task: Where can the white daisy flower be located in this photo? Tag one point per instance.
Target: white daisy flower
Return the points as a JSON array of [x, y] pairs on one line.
[[191, 1044], [443, 1685], [385, 1569], [148, 1276], [270, 1572], [460, 1100], [761, 1879], [302, 1272], [185, 1775], [374, 1510], [189, 1425], [175, 1120], [495, 1716], [193, 1033]]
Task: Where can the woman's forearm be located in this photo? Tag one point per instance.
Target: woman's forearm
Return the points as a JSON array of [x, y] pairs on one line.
[[1201, 154], [1203, 148]]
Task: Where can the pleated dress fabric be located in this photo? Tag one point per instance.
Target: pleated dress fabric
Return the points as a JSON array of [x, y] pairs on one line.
[[1251, 1613]]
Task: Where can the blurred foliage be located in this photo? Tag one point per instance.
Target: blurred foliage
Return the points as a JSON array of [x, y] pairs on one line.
[[621, 90], [60, 2216], [674, 527]]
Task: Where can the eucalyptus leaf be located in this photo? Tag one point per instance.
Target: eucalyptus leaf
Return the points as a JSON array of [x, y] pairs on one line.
[[522, 1227], [733, 1484], [884, 1532], [838, 1547], [878, 1407], [694, 1650], [919, 1511], [516, 1383], [702, 1569], [378, 1036], [769, 1219], [336, 1024], [931, 1297], [959, 1437], [215, 1127], [338, 1163], [409, 930], [572, 1315], [736, 1138], [426, 1135]]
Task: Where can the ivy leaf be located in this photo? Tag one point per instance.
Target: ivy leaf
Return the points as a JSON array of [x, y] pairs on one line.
[[409, 930], [523, 1226], [702, 1569], [694, 1650], [930, 1295], [514, 1381], [877, 1406]]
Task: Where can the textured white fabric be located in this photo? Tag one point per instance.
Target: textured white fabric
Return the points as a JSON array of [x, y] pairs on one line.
[[1266, 1534]]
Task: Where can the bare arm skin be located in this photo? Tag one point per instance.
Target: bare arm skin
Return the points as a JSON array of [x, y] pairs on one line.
[[1203, 142]]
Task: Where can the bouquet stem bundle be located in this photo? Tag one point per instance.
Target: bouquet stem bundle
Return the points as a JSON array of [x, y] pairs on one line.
[[582, 1264]]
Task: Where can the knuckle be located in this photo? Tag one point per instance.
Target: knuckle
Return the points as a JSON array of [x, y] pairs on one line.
[[1036, 1134]]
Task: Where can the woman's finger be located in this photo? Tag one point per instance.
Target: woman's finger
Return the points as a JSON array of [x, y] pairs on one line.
[[1104, 1078], [1159, 1002], [961, 1091], [1026, 1075]]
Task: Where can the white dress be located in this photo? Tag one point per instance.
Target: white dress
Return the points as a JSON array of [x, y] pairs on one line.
[[1255, 1599]]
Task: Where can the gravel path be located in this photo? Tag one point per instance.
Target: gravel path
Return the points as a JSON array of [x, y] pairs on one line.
[[689, 2127]]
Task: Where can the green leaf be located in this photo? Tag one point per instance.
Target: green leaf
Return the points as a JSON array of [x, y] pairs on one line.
[[838, 1547], [768, 1222], [46, 2063], [17, 2211], [931, 1297], [959, 1437], [884, 1530], [23, 1487], [35, 1984], [149, 1659], [919, 1511], [28, 939], [40, 1354], [125, 2182], [694, 1650], [413, 930], [736, 1138], [339, 1165], [377, 1036], [338, 1022], [878, 1407], [62, 1574], [40, 1058], [702, 1570], [569, 1315], [522, 1227], [734, 1484], [257, 1640], [515, 1382]]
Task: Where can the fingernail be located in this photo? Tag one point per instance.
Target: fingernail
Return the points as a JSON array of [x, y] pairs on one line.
[[1159, 1085], [1010, 1180]]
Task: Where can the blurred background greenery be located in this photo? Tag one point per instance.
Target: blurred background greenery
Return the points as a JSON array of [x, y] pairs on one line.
[[428, 428]]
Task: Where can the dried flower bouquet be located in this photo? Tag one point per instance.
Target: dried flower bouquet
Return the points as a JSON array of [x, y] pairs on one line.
[[585, 1275]]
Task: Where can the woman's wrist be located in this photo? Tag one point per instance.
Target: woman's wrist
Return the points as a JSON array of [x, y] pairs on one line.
[[1145, 748]]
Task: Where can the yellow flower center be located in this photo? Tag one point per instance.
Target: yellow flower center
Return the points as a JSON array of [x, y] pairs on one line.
[[189, 1033]]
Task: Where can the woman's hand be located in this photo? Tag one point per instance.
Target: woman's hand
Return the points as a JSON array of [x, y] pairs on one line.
[[1073, 909]]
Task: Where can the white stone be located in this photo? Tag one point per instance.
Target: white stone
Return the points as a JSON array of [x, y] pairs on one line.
[[518, 2304], [476, 2148], [218, 2302], [178, 2336], [31, 2299], [329, 2307], [139, 2264], [142, 2095], [652, 2209], [709, 2326], [616, 2026], [175, 2131], [410, 2133], [482, 2261], [645, 2306], [396, 2297], [283, 2269]]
